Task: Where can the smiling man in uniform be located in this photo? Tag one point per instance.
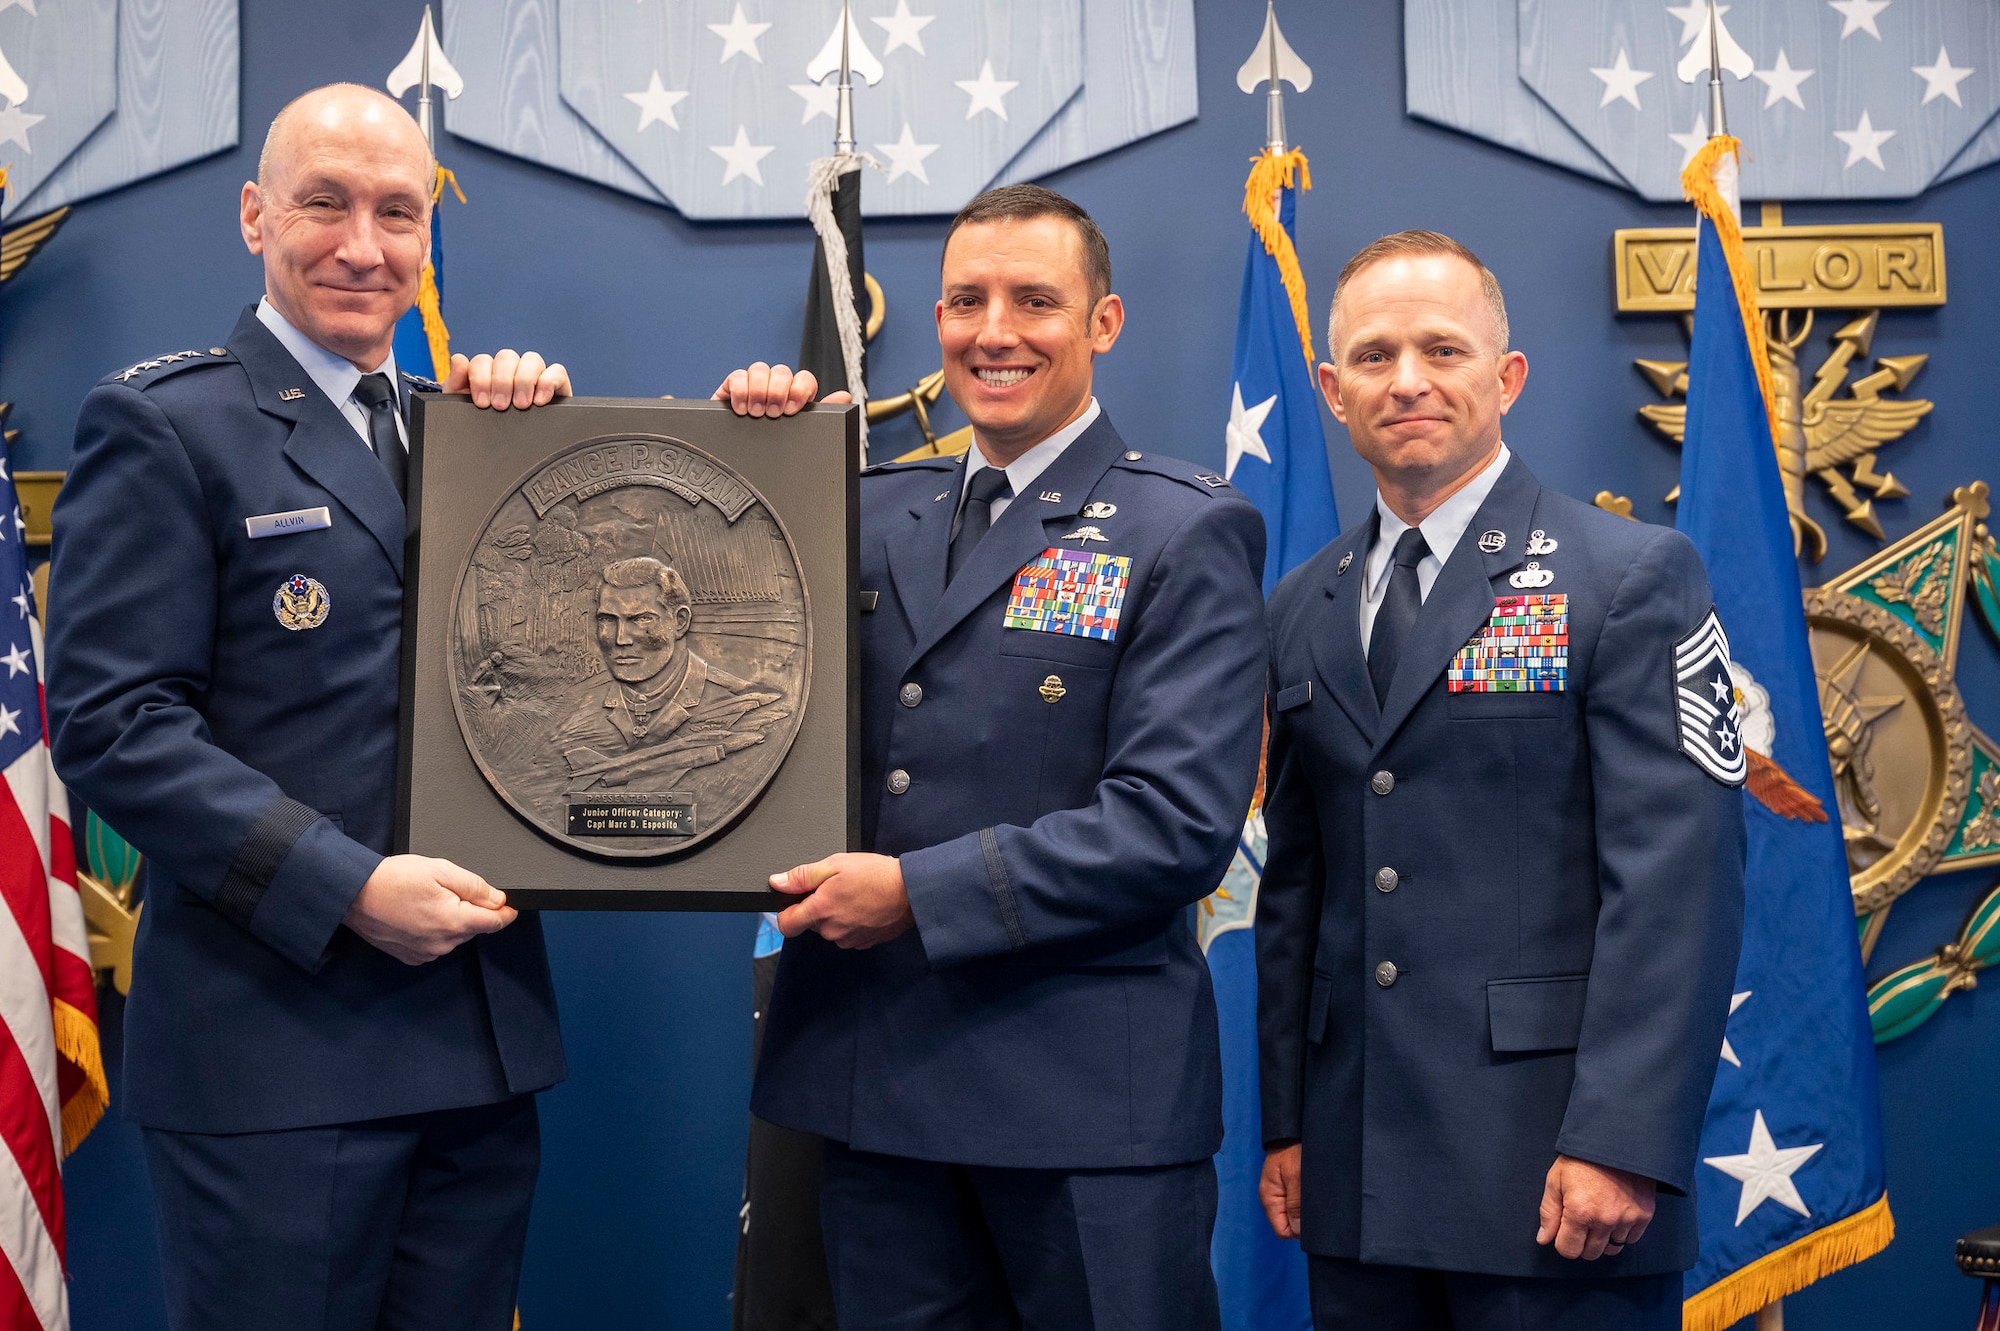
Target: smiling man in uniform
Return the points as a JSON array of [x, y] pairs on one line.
[[1503, 897], [333, 1051], [997, 1014]]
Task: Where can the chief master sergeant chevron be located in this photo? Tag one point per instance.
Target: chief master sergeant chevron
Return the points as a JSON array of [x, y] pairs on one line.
[[1503, 896], [332, 1052], [998, 1016]]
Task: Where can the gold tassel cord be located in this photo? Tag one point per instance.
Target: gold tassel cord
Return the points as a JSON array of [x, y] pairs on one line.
[[1790, 1269], [76, 1041], [1698, 185], [429, 306], [1269, 173]]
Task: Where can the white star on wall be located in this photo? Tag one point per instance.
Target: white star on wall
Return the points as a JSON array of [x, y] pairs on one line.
[[742, 156], [1782, 82], [1859, 16], [904, 28], [1941, 79], [1690, 142], [1864, 141], [1729, 1054], [1765, 1171], [28, 5], [1621, 81], [657, 104], [1692, 16], [986, 92], [1244, 435], [739, 36], [15, 124], [822, 99], [906, 156]]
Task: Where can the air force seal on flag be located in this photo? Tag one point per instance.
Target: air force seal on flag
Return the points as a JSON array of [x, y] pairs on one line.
[[1705, 703]]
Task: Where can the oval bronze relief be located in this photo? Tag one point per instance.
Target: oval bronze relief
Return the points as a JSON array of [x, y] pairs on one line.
[[630, 646]]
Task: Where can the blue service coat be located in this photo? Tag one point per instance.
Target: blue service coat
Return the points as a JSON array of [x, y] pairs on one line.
[[1057, 802], [1564, 915], [254, 766]]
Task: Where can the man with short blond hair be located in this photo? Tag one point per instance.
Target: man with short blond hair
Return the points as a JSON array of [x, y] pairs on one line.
[[1501, 906]]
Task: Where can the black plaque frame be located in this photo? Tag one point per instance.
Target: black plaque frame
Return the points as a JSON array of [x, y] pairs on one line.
[[463, 460]]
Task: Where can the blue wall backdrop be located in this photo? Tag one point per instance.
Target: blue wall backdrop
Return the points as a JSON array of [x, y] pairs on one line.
[[635, 1223]]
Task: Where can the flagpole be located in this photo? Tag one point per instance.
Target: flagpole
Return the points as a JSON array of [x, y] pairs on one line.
[[843, 124], [1274, 108]]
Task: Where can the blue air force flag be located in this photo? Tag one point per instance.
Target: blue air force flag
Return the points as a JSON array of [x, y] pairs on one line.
[[1276, 454], [1791, 1181]]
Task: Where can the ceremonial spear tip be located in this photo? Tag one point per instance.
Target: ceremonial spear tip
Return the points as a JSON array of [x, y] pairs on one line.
[[1275, 62], [425, 66]]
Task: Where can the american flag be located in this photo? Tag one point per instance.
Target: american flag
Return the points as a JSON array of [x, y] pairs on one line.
[[52, 1088]]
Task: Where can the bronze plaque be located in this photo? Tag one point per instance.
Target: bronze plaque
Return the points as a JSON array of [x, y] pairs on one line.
[[627, 622]]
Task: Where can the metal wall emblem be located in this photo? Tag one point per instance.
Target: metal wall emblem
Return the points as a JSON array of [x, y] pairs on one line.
[[1821, 430], [630, 646]]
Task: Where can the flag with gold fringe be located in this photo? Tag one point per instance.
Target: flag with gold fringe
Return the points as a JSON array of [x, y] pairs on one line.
[[1275, 452], [423, 343], [1791, 1184], [52, 1086]]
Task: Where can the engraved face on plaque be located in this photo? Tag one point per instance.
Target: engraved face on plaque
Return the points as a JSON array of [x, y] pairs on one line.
[[630, 646]]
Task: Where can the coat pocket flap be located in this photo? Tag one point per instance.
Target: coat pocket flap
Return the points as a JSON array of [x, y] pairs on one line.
[[1534, 1014], [1298, 695]]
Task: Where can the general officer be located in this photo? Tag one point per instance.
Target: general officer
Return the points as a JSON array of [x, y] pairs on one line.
[[1501, 909], [996, 1014], [332, 1051]]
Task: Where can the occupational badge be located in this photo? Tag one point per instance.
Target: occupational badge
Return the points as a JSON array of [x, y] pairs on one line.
[[1534, 575], [1070, 591], [1085, 535], [1541, 543], [1099, 510], [1524, 648], [301, 603], [1705, 703]]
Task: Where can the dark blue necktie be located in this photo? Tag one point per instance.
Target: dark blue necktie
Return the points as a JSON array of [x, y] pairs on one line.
[[987, 484], [1398, 614], [376, 393]]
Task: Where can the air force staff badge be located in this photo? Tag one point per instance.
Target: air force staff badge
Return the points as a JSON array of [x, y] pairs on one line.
[[301, 603], [1709, 714]]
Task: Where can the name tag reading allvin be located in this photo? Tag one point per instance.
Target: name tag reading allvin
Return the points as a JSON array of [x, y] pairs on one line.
[[284, 524]]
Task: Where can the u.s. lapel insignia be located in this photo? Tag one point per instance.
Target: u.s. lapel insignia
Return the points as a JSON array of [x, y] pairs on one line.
[[1345, 560], [1706, 706], [301, 603], [1050, 496], [1494, 541], [1086, 535], [1534, 575], [1099, 510], [1540, 543], [1524, 648], [290, 394]]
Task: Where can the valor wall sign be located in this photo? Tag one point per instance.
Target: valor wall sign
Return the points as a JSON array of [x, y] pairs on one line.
[[626, 649]]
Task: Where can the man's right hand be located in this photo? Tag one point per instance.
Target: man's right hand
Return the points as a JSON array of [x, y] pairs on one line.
[[417, 909], [1278, 1189]]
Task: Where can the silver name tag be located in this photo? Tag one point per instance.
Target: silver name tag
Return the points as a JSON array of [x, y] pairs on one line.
[[284, 524]]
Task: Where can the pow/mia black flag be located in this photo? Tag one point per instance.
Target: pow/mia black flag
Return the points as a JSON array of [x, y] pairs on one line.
[[819, 349]]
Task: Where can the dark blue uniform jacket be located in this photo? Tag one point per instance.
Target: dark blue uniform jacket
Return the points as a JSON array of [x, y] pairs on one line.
[[254, 766], [1564, 915], [1067, 798]]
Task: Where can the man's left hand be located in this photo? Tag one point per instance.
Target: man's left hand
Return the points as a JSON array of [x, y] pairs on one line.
[[854, 901], [1590, 1211], [508, 379]]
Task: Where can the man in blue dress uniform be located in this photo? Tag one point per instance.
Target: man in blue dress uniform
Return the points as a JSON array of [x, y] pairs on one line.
[[333, 1051], [996, 1013], [1501, 909]]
